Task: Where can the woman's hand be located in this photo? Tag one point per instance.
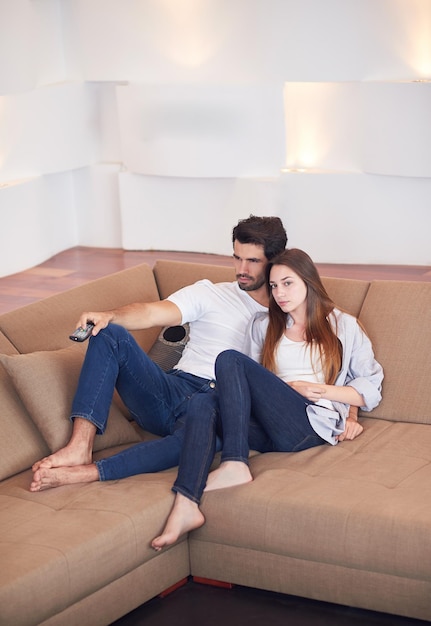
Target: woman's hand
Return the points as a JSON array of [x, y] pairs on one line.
[[312, 391], [353, 429]]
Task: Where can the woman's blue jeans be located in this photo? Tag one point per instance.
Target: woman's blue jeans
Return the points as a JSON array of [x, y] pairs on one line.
[[200, 443], [259, 411], [157, 401], [253, 408]]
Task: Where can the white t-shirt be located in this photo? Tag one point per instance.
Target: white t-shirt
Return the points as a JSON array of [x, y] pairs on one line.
[[295, 361], [218, 315]]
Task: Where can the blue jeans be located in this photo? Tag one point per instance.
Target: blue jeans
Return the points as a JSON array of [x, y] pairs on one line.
[[200, 443], [252, 408], [259, 411], [157, 401]]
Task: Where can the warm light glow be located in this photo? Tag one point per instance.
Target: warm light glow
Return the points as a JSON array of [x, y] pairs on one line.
[[190, 31], [419, 54], [421, 61], [18, 181], [307, 139]]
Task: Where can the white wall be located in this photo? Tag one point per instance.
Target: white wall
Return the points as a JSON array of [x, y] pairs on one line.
[[160, 123]]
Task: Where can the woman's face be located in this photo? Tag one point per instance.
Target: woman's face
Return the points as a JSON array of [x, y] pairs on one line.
[[288, 289]]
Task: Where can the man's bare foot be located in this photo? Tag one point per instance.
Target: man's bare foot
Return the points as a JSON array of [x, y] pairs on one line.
[[184, 517], [79, 450], [47, 478], [229, 474], [69, 456]]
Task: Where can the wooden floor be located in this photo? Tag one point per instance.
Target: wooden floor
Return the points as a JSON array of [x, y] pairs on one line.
[[81, 264], [195, 605]]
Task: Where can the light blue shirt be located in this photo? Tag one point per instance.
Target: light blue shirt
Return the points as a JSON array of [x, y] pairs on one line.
[[359, 369]]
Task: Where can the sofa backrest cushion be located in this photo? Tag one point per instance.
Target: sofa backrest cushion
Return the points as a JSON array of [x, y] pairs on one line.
[[173, 275], [46, 383], [397, 317], [348, 294], [170, 276], [46, 325], [21, 444], [6, 347]]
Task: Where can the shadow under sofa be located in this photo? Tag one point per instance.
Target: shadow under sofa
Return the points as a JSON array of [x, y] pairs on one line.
[[348, 524]]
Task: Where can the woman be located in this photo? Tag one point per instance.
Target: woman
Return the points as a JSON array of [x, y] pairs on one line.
[[316, 364]]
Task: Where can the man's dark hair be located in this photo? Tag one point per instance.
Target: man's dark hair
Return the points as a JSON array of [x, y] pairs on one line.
[[268, 232]]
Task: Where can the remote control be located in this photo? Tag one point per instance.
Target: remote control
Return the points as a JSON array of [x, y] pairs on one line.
[[81, 334]]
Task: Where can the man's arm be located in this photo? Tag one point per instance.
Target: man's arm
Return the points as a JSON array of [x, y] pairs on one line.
[[135, 316]]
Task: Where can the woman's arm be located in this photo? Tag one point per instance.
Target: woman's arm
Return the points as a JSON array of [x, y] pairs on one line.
[[318, 391]]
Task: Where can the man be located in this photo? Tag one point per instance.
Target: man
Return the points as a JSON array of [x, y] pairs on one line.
[[218, 315]]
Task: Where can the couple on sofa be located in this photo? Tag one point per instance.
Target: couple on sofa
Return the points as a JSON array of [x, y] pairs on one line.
[[279, 314]]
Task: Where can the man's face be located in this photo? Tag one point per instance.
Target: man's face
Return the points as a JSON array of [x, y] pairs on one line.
[[250, 263]]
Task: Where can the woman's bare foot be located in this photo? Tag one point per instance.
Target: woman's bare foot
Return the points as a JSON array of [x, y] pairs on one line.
[[47, 478], [229, 474], [79, 450], [184, 517]]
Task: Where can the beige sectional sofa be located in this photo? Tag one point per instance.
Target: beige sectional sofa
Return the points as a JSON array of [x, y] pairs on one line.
[[349, 524]]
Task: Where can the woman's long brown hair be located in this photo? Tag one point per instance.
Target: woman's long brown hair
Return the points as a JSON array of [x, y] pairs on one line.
[[319, 333]]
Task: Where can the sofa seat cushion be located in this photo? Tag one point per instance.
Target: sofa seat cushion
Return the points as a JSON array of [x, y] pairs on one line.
[[46, 383], [62, 545], [363, 504]]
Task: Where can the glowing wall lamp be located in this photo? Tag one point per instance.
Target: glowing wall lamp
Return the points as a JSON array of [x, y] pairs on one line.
[[321, 126], [419, 54]]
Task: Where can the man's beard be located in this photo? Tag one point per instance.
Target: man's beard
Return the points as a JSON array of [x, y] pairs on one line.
[[257, 284]]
